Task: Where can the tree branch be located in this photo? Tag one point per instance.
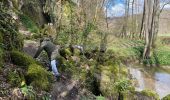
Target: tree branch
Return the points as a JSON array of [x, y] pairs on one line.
[[164, 6]]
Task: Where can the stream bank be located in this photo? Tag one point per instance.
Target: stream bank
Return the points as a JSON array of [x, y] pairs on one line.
[[151, 78]]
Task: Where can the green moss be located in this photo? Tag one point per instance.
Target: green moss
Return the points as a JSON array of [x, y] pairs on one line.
[[14, 78], [21, 59], [166, 97], [113, 79], [105, 78], [150, 93], [38, 77]]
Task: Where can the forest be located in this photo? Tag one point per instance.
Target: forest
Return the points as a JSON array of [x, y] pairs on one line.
[[84, 49]]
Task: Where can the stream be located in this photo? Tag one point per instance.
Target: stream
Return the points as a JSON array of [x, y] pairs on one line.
[[152, 78]]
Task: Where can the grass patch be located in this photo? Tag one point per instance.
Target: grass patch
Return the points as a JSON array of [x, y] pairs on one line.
[[161, 56], [133, 49], [28, 23], [126, 49]]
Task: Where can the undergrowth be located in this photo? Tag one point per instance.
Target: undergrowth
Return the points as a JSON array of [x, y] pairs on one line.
[[28, 23]]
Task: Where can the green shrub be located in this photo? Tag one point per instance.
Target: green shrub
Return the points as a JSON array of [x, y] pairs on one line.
[[38, 77], [28, 23], [28, 91], [122, 85], [21, 59], [166, 97]]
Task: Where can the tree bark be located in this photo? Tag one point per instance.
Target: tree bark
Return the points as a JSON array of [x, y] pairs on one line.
[[151, 26]]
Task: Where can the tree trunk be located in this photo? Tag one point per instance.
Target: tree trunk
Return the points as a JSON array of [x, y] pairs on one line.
[[151, 26], [124, 28], [147, 48], [143, 24]]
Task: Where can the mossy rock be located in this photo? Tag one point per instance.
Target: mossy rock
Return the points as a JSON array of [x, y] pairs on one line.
[[166, 97], [21, 59], [110, 82], [150, 93], [39, 77], [105, 79]]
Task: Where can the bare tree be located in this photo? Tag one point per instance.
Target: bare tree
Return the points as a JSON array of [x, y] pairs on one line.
[[124, 28]]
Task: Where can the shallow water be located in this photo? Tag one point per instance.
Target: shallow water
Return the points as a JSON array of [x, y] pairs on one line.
[[156, 79]]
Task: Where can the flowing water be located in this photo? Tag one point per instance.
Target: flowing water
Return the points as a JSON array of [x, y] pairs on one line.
[[156, 79]]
